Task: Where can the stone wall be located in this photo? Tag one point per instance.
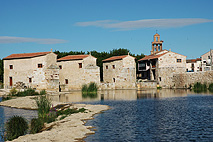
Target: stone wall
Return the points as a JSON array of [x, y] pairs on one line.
[[168, 66], [147, 84], [78, 76], [184, 80], [26, 68], [123, 75]]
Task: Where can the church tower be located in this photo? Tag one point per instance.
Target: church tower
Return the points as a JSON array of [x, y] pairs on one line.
[[156, 44]]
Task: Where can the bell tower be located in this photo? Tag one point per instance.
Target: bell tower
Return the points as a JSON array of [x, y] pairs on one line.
[[156, 44]]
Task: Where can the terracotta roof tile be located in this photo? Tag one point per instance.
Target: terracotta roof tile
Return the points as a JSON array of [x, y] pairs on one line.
[[25, 55], [73, 57], [193, 60], [115, 58], [152, 57]]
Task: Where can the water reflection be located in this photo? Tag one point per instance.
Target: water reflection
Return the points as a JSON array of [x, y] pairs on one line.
[[120, 95]]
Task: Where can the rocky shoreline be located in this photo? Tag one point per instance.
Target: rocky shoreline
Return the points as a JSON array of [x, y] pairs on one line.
[[71, 128]]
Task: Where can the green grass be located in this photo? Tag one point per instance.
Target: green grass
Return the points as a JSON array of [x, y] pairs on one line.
[[89, 90], [211, 87]]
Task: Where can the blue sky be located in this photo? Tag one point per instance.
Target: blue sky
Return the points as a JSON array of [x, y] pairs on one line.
[[26, 26]]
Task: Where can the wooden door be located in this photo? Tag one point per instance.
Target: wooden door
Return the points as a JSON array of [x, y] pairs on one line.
[[11, 81]]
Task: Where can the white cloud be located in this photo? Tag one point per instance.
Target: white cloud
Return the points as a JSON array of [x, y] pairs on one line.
[[146, 23], [10, 39]]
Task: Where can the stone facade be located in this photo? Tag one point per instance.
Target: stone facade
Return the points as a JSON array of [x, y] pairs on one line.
[[161, 64], [120, 70], [76, 70], [207, 61], [35, 70], [184, 80]]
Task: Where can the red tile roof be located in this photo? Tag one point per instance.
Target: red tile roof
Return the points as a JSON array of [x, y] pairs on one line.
[[153, 56], [115, 58], [193, 60], [25, 55], [73, 57]]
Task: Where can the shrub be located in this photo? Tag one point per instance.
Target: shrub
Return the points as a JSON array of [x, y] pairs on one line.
[[43, 105], [16, 126], [5, 98], [199, 87], [211, 87], [84, 88], [27, 92], [13, 91], [36, 125], [43, 92], [92, 87]]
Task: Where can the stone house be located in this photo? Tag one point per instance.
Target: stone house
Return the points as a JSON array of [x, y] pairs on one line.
[[161, 65], [76, 70], [207, 61], [35, 70], [120, 71], [193, 65]]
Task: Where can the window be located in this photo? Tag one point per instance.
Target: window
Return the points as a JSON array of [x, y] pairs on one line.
[[11, 66], [209, 57], [113, 79], [159, 78], [106, 66], [39, 65], [80, 65], [60, 66], [113, 66], [179, 60], [30, 80], [66, 81]]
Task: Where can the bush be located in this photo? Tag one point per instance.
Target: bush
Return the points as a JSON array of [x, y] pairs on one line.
[[43, 92], [27, 92], [36, 125], [211, 87], [92, 87], [13, 91], [89, 90], [43, 105], [199, 87], [5, 98], [16, 126]]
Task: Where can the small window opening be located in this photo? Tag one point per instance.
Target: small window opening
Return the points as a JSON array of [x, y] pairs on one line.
[[11, 66], [39, 65], [66, 81], [60, 66], [80, 65], [179, 60], [113, 66], [106, 67], [30, 80], [159, 78], [113, 79]]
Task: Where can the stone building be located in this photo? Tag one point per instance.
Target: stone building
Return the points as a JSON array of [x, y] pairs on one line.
[[207, 61], [120, 71], [76, 70], [193, 65], [34, 70], [161, 64]]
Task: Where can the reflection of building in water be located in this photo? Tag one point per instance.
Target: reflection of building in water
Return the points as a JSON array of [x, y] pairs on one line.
[[74, 97], [119, 95], [164, 93]]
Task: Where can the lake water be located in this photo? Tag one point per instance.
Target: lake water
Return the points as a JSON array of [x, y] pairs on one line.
[[151, 115], [148, 115]]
